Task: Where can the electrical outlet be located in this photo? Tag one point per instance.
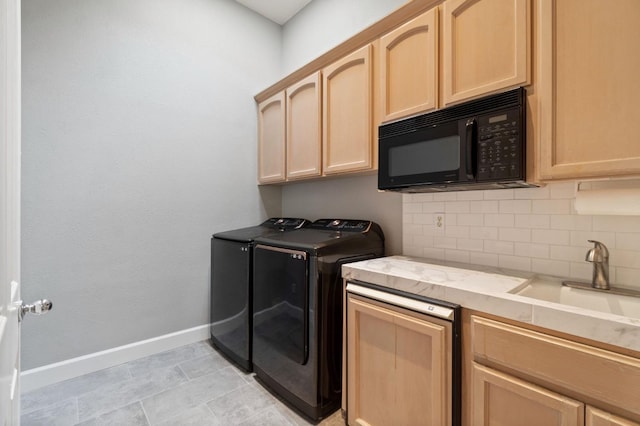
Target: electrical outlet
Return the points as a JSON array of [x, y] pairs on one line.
[[438, 223]]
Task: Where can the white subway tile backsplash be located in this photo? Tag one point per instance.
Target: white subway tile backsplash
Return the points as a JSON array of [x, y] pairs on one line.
[[628, 241], [445, 196], [484, 233], [532, 221], [627, 277], [499, 220], [456, 256], [412, 207], [515, 206], [550, 267], [433, 207], [551, 206], [457, 207], [500, 194], [571, 222], [514, 262], [625, 258], [423, 218], [564, 190], [409, 229], [541, 193], [514, 234], [418, 198], [499, 247], [470, 244], [540, 251], [530, 229], [445, 242], [434, 253], [557, 237], [616, 223], [421, 241], [487, 259], [479, 207], [579, 238], [456, 231], [568, 253], [415, 251], [468, 219], [470, 195]]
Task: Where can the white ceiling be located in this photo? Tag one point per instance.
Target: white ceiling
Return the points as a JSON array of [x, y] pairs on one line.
[[279, 11]]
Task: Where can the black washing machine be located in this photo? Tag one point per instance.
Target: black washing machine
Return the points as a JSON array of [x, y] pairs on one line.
[[231, 286], [297, 309]]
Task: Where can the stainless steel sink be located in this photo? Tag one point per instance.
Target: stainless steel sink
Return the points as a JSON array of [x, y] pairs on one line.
[[602, 301]]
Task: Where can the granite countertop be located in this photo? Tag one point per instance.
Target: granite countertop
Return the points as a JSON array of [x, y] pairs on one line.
[[487, 289]]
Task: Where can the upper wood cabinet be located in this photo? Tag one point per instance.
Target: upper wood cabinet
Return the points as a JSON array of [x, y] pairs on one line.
[[271, 139], [304, 142], [408, 68], [485, 47], [347, 143], [588, 57], [596, 417]]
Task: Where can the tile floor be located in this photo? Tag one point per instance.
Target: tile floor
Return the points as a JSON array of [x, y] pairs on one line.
[[190, 385]]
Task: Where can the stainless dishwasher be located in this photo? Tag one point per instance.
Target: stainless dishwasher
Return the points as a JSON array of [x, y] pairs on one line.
[[403, 358]]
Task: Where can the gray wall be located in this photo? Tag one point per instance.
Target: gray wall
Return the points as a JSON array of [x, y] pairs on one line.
[[323, 24], [139, 141], [316, 29]]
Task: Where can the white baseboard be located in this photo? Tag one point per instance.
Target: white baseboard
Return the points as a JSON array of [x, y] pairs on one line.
[[74, 367]]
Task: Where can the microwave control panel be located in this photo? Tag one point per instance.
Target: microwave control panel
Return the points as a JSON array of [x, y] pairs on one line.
[[500, 146]]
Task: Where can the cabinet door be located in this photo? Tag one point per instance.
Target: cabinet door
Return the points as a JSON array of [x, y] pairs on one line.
[[596, 417], [271, 139], [408, 67], [589, 53], [500, 399], [486, 47], [397, 366], [346, 119], [303, 128]]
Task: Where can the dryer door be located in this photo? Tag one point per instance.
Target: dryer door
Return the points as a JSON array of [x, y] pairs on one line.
[[280, 304]]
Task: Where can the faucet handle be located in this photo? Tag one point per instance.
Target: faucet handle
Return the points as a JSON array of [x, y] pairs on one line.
[[599, 252]]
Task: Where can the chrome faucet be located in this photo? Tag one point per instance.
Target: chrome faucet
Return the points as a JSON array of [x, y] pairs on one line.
[[599, 256]]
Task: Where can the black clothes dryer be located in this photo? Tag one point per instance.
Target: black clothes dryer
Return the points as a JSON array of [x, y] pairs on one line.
[[231, 286], [297, 309]]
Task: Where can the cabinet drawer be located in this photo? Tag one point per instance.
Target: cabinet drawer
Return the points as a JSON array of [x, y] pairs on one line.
[[578, 369]]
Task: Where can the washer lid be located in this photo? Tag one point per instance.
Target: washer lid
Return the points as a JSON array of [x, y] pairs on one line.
[[273, 225]]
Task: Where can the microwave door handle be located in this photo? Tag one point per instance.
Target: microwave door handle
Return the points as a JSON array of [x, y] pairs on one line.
[[470, 142]]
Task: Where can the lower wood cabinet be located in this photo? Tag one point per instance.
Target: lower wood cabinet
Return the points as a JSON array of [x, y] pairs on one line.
[[501, 399], [517, 376], [397, 364]]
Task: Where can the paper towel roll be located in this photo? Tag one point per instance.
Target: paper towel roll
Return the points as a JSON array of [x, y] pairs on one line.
[[625, 202]]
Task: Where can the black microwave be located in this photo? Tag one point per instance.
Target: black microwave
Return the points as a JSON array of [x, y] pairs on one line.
[[480, 144]]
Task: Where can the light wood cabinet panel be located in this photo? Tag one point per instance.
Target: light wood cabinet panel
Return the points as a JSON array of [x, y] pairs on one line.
[[596, 417], [304, 114], [589, 57], [347, 113], [408, 67], [271, 139], [500, 399], [398, 368], [612, 378], [486, 47]]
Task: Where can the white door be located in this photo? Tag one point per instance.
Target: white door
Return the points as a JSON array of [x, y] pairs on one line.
[[9, 211]]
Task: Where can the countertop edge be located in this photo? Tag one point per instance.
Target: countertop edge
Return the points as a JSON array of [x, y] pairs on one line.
[[485, 289]]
